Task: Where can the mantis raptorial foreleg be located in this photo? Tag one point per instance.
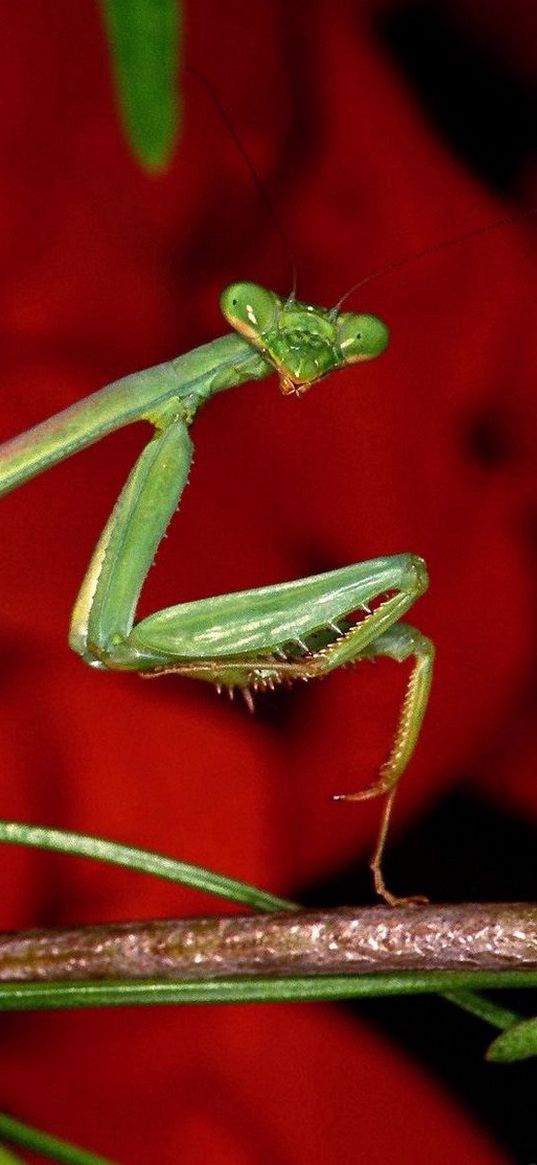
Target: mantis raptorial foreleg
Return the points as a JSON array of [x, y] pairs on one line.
[[251, 640]]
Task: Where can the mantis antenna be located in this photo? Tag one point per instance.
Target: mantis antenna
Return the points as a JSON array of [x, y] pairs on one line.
[[434, 248], [276, 224]]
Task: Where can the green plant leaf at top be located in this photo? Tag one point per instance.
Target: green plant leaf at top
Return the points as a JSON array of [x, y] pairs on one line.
[[144, 39]]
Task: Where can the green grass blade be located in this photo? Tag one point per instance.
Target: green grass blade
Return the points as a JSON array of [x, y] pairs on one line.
[[45, 996], [145, 861]]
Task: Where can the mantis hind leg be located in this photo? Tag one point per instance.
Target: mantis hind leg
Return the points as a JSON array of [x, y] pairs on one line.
[[400, 642]]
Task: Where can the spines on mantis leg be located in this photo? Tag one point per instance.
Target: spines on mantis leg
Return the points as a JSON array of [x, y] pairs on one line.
[[266, 618], [277, 633], [176, 388]]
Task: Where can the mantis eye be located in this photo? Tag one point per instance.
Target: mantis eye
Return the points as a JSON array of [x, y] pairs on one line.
[[361, 337], [250, 309]]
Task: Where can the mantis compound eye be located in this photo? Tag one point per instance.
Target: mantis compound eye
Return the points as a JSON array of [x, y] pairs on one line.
[[249, 308], [361, 337]]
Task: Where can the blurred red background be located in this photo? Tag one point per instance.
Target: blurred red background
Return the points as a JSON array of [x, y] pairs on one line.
[[105, 270]]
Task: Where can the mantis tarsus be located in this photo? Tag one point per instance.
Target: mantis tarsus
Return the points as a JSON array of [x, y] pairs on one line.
[[256, 639]]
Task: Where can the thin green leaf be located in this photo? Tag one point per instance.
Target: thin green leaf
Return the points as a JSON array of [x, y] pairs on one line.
[[144, 38], [517, 1043], [145, 861], [39, 996], [483, 1008]]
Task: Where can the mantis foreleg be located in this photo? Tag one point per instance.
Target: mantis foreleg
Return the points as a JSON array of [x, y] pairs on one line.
[[104, 611]]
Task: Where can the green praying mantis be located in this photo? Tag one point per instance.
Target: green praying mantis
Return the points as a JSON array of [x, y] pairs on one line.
[[251, 640]]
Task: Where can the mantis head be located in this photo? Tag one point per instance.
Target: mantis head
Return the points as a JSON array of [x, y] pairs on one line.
[[304, 343]]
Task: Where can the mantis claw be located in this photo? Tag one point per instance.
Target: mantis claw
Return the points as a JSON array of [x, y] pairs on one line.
[[376, 790], [393, 899]]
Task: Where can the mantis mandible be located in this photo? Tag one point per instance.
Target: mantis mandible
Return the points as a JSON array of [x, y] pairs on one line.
[[256, 639]]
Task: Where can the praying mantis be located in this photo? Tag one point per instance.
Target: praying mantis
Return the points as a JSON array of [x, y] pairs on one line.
[[251, 640]]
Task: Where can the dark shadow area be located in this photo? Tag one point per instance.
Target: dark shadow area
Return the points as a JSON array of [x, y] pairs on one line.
[[485, 113]]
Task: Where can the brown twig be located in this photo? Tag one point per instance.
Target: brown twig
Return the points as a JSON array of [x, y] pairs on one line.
[[477, 937]]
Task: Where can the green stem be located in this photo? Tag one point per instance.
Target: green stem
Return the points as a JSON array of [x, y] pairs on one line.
[[44, 996], [483, 1008]]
